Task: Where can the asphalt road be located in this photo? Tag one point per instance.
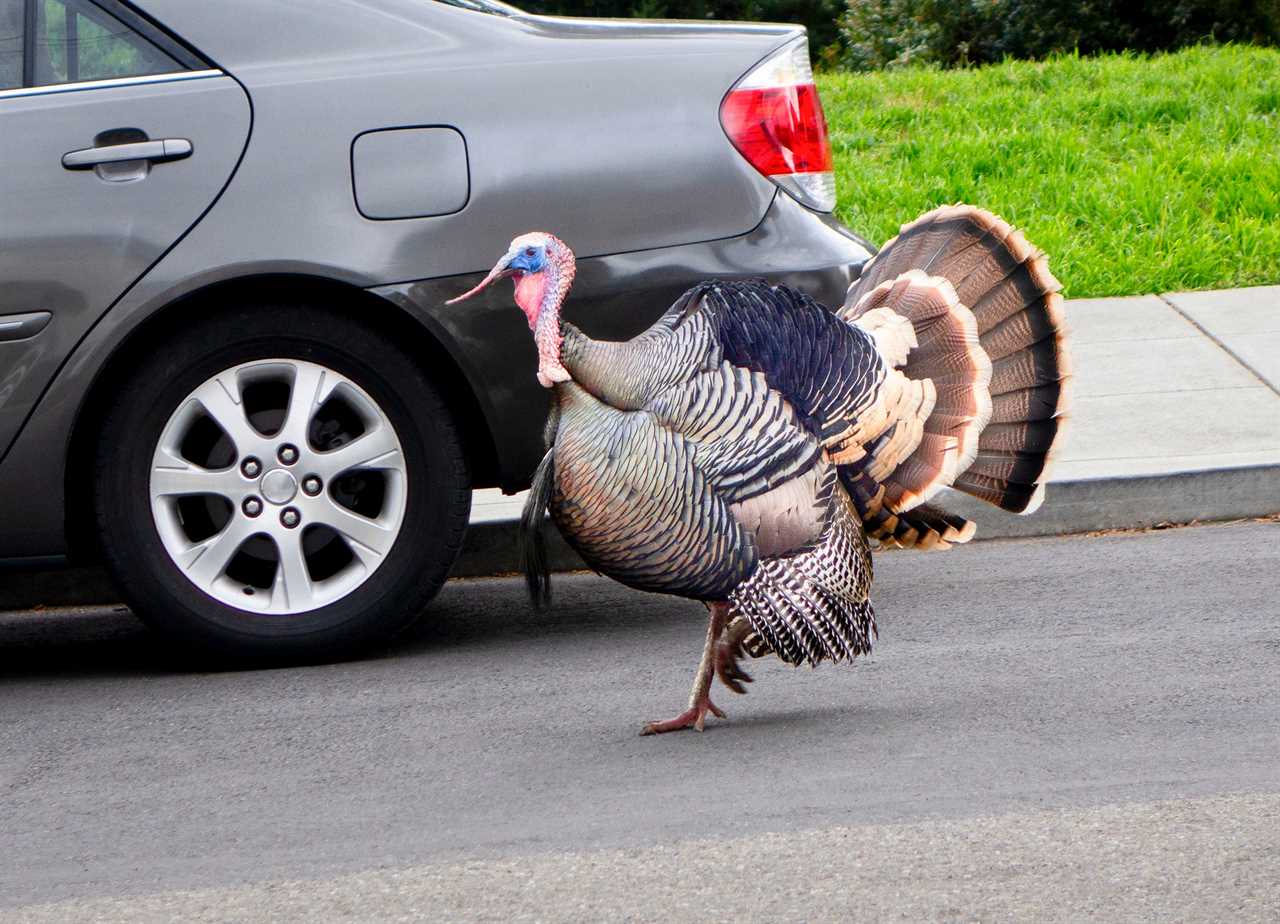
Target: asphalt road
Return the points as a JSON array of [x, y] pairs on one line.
[[1049, 729]]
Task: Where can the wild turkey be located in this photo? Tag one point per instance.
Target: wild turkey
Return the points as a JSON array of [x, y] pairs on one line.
[[742, 450]]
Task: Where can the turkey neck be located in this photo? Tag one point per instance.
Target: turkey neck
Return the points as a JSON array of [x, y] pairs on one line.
[[611, 372], [540, 296]]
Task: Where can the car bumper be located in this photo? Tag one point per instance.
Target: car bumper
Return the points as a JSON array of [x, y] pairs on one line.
[[614, 297]]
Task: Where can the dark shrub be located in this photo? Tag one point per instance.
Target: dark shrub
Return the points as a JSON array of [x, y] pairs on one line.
[[879, 33]]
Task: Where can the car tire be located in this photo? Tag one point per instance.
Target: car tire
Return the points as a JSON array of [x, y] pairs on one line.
[[334, 588]]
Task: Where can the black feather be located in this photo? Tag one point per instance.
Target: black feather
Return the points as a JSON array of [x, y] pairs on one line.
[[533, 547]]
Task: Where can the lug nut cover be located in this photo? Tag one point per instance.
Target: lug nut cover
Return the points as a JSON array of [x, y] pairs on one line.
[[252, 506], [251, 468], [288, 454], [290, 517], [311, 485]]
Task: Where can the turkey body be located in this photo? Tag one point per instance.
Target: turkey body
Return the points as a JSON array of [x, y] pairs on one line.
[[705, 475], [742, 449]]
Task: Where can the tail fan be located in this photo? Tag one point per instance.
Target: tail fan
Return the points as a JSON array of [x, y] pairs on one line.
[[533, 546], [988, 332]]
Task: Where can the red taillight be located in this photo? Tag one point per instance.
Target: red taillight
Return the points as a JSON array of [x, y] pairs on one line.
[[774, 118], [780, 130]]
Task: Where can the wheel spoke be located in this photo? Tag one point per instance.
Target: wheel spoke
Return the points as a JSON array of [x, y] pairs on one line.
[[292, 587], [221, 400], [205, 562], [311, 386], [173, 476], [377, 449], [368, 539]]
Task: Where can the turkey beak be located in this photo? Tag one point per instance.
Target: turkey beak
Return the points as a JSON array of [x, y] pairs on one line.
[[501, 270]]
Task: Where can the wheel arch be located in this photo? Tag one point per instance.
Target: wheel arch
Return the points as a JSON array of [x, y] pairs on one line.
[[427, 348]]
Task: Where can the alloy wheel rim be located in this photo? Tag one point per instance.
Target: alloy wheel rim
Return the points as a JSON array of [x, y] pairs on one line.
[[278, 486]]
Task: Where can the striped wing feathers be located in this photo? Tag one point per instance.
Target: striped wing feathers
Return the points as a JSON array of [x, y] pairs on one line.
[[633, 501], [829, 372], [744, 434]]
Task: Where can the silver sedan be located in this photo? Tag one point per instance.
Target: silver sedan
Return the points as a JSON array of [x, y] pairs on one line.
[[227, 231]]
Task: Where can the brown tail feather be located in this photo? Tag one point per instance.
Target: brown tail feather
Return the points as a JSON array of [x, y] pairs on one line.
[[1023, 281], [1005, 494], [1035, 436], [1019, 466], [1019, 332], [1043, 403], [1030, 368]]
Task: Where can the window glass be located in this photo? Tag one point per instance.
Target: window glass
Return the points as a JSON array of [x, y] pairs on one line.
[[10, 44], [76, 40]]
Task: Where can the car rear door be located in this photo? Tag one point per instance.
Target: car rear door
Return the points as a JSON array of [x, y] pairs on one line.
[[115, 138]]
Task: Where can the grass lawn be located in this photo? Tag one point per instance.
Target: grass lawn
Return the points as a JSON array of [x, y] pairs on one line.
[[1135, 174]]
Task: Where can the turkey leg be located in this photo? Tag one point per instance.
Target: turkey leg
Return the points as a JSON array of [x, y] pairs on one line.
[[699, 698], [729, 650]]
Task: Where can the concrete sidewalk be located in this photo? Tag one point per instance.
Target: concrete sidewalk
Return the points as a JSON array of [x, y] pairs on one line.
[[1176, 418]]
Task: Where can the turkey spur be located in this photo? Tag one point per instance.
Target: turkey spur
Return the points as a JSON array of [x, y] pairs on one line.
[[744, 448]]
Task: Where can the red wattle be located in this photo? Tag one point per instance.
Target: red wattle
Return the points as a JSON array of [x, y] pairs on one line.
[[530, 290]]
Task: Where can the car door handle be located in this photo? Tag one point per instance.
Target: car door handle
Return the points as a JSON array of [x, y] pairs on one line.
[[154, 151], [23, 326]]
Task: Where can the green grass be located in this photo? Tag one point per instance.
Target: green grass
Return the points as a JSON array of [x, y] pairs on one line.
[[1135, 174]]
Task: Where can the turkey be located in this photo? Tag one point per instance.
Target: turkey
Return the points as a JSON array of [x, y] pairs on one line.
[[744, 449]]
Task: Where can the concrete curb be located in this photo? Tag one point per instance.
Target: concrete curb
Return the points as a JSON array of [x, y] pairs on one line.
[[1134, 502], [492, 548]]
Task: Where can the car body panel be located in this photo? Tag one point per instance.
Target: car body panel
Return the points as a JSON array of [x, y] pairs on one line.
[[70, 241]]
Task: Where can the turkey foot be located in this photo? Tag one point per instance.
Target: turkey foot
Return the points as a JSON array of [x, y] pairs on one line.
[[699, 698], [694, 717]]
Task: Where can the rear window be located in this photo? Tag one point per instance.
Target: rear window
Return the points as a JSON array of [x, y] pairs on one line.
[[11, 20], [49, 42], [76, 40]]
